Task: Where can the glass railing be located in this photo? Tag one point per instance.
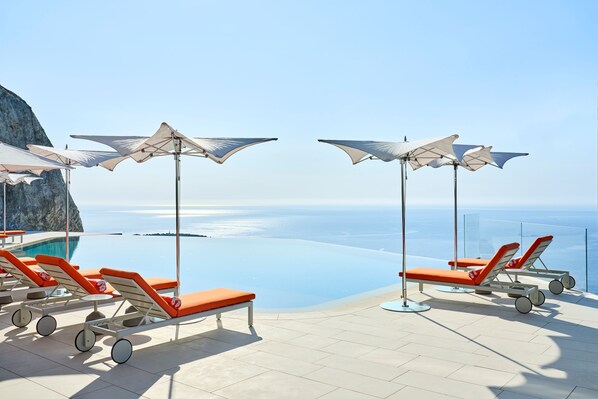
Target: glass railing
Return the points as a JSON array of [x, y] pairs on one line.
[[568, 250]]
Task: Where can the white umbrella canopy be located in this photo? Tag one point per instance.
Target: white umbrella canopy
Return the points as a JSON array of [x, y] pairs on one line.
[[86, 158], [417, 153], [167, 141], [14, 159], [17, 178], [13, 179], [500, 158]]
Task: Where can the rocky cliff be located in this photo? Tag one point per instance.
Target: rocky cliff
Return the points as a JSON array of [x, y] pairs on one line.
[[42, 205]]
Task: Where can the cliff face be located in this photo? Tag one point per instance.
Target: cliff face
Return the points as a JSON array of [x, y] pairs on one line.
[[42, 205]]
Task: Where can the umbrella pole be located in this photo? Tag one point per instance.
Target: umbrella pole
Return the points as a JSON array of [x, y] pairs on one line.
[[455, 290], [404, 252], [68, 182], [4, 208], [406, 305], [455, 220], [177, 161]]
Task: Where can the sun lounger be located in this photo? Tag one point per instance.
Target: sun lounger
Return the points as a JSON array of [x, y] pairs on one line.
[[482, 279], [80, 284], [14, 233], [27, 261], [149, 303], [524, 266], [27, 279]]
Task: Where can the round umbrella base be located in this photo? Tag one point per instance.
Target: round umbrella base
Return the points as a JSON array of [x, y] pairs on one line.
[[408, 307], [454, 290]]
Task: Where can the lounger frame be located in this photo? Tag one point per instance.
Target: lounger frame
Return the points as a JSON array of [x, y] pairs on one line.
[[67, 302], [147, 312]]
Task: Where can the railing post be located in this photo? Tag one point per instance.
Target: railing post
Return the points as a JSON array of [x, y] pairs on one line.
[[520, 237], [587, 281]]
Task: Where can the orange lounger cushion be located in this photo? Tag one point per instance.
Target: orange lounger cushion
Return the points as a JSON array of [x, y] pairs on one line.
[[160, 283], [13, 232], [468, 262], [89, 273], [445, 276], [28, 261], [211, 299]]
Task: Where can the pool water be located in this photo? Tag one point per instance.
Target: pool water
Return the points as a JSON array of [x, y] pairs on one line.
[[285, 274]]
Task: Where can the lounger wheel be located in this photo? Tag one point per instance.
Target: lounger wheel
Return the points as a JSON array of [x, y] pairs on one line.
[[556, 287], [20, 318], [569, 282], [84, 345], [523, 304], [541, 299], [46, 325], [121, 351]]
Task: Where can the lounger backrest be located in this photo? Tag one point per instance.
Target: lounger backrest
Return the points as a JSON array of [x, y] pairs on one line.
[[497, 263], [533, 252], [19, 270], [138, 292], [66, 275]]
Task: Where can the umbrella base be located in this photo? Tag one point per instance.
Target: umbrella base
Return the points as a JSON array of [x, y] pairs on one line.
[[37, 295], [454, 290], [408, 307]]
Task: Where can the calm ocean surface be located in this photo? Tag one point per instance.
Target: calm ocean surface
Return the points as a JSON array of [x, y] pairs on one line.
[[429, 231]]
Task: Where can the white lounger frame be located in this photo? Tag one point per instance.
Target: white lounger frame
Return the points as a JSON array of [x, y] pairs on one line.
[[146, 308], [491, 283], [528, 269], [71, 301]]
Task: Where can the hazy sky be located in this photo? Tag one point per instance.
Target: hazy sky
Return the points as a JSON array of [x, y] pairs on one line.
[[521, 76]]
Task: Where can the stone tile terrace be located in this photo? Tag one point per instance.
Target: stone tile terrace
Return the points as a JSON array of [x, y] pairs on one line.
[[466, 346]]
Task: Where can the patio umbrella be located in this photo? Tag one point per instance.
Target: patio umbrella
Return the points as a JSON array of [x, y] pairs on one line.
[[415, 153], [86, 158], [14, 159], [167, 141], [470, 157], [13, 179], [473, 157]]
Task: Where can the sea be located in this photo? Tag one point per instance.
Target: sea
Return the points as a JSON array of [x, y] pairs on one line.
[[429, 230]]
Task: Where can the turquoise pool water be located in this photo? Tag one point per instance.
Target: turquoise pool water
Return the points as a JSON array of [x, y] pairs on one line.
[[285, 274]]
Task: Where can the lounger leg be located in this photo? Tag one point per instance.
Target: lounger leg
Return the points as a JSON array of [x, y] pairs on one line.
[[250, 314], [421, 287], [218, 316]]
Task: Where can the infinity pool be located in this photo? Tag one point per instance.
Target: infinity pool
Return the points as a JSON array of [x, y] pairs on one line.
[[285, 274]]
